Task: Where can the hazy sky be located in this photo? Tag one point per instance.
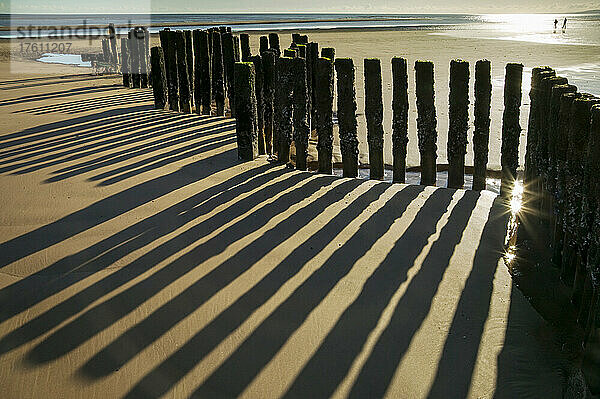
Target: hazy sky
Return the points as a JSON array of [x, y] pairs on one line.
[[368, 6]]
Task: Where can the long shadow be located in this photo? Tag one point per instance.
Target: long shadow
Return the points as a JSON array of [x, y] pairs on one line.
[[377, 372], [111, 207], [91, 104], [102, 316], [231, 378], [46, 81], [168, 373], [456, 366], [73, 125], [32, 289], [58, 94], [345, 340], [108, 129], [146, 332], [76, 153]]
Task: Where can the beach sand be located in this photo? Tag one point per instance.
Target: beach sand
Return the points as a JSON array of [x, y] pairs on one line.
[[139, 257]]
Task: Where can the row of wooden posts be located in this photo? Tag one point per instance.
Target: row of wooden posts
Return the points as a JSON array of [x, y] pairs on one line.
[[280, 97], [562, 184]]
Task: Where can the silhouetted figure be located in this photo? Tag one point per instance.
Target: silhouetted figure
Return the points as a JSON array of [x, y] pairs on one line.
[[564, 25], [555, 24]]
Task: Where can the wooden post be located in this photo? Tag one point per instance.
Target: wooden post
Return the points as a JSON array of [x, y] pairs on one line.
[[185, 105], [147, 52], [554, 131], [324, 113], [346, 112], [159, 77], [268, 64], [458, 122], [106, 51], [426, 121], [141, 54], [374, 116], [301, 49], [167, 43], [264, 44], [400, 117], [236, 48], [135, 59], [203, 82], [245, 42], [511, 128], [301, 129], [328, 52], [303, 39], [228, 65], [564, 121], [312, 54], [258, 87], [283, 106], [274, 43], [481, 134], [218, 85], [189, 52], [112, 37], [245, 122], [295, 37], [125, 67]]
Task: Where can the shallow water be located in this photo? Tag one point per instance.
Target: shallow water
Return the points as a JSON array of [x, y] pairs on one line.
[[67, 59]]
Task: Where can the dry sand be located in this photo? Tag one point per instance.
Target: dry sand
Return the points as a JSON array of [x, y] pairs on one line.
[[139, 257]]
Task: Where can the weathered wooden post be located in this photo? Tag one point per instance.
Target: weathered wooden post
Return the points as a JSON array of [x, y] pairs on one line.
[[553, 133], [426, 121], [283, 107], [400, 117], [168, 45], [312, 54], [274, 43], [324, 113], [458, 122], [245, 101], [147, 51], [268, 64], [295, 37], [264, 44], [346, 112], [112, 37], [302, 50], [218, 85], [245, 42], [141, 54], [135, 59], [303, 39], [328, 52], [481, 134], [564, 122], [159, 77], [125, 67], [579, 130], [203, 82], [301, 129], [511, 129], [189, 53], [258, 87], [374, 116], [236, 48], [106, 51], [185, 105], [228, 65]]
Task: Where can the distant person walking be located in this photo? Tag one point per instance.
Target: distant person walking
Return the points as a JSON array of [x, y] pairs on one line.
[[555, 24], [564, 25]]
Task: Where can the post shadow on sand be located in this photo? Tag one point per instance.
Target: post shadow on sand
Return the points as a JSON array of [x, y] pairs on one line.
[[164, 138], [180, 363], [52, 80], [59, 94], [32, 289], [457, 364], [91, 104], [234, 375], [414, 306], [102, 316]]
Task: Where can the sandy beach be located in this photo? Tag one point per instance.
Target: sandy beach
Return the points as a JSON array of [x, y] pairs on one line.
[[140, 258]]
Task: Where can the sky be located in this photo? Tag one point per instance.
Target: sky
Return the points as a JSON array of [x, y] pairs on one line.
[[332, 6]]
